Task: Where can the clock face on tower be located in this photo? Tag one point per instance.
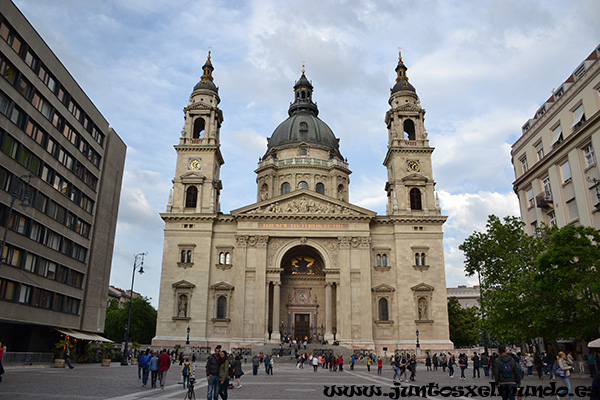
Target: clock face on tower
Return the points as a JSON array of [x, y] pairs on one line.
[[413, 165], [195, 163]]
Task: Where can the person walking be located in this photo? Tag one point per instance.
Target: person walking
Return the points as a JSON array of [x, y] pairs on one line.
[[476, 363], [212, 374], [164, 362], [255, 364], [352, 361], [369, 364], [270, 372], [68, 357], [145, 361], [267, 364], [237, 370], [153, 367], [186, 372], [506, 374], [379, 365], [563, 371], [223, 375], [2, 350], [139, 356], [428, 362], [451, 363], [539, 364], [436, 361], [397, 379], [412, 367], [591, 364]]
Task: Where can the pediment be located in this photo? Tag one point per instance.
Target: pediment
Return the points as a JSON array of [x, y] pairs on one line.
[[183, 284], [304, 202], [222, 286], [415, 178], [192, 175], [422, 287], [383, 288]]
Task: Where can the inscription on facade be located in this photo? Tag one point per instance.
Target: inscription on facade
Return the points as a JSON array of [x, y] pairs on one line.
[[301, 226]]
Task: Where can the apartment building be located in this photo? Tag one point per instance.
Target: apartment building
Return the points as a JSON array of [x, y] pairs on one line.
[[62, 166], [555, 161]]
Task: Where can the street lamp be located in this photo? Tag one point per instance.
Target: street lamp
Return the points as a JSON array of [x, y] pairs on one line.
[[418, 344], [187, 341], [126, 338], [21, 188], [485, 338]]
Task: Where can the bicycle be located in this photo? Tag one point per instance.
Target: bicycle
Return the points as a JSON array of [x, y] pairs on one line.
[[190, 395]]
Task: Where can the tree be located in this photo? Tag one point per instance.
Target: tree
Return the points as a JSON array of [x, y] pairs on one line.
[[464, 324], [143, 321], [569, 274], [504, 258]]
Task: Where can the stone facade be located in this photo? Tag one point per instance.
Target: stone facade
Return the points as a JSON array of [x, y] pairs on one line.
[[302, 260]]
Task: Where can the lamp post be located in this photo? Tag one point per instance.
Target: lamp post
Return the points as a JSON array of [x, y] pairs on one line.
[[418, 344], [126, 338], [17, 184], [485, 338]]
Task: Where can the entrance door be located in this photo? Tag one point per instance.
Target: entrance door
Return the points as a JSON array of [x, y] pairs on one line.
[[302, 326]]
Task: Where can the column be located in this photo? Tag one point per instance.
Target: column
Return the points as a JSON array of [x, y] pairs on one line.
[[276, 311], [328, 312]]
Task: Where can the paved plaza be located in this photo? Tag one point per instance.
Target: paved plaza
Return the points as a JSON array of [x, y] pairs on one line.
[[121, 383]]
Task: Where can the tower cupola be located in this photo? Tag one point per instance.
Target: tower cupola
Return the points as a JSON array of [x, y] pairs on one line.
[[206, 80], [402, 83]]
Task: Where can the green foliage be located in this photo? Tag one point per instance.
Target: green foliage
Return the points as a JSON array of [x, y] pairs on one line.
[[545, 285], [464, 323], [143, 321], [91, 352]]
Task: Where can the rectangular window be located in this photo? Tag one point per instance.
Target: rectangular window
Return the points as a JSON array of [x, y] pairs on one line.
[[4, 103], [58, 303], [31, 59], [530, 197], [36, 232], [546, 186], [573, 212], [10, 146], [524, 165], [53, 240], [25, 294], [30, 262], [565, 170], [552, 218], [51, 270], [8, 71], [34, 131], [588, 153], [7, 290], [39, 201], [578, 117]]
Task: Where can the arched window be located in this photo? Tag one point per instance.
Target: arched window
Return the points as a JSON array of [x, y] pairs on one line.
[[302, 185], [379, 260], [417, 259], [198, 132], [415, 199], [182, 259], [221, 258], [320, 188], [191, 197], [409, 129], [422, 258], [222, 307], [188, 256], [384, 260], [228, 258], [383, 310], [285, 188]]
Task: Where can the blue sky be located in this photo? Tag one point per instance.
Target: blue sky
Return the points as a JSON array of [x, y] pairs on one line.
[[481, 69]]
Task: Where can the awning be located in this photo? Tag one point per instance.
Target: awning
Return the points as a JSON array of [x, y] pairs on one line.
[[577, 116], [594, 343], [83, 335]]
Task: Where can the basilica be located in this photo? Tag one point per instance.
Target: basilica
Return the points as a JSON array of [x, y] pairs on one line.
[[303, 260]]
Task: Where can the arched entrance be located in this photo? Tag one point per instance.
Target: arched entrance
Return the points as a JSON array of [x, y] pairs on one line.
[[302, 297]]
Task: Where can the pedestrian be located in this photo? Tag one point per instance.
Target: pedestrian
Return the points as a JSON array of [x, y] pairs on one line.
[[68, 356], [462, 363], [352, 361], [2, 350], [164, 362], [341, 363], [428, 362], [267, 364], [563, 371], [484, 361], [194, 358], [237, 369], [397, 378], [139, 356], [451, 363], [412, 367], [435, 362], [549, 361], [255, 364], [223, 375], [506, 374], [186, 371], [539, 364], [270, 371], [212, 374], [596, 386], [369, 364], [153, 368], [379, 365], [591, 364], [145, 361], [403, 365], [476, 363], [529, 363]]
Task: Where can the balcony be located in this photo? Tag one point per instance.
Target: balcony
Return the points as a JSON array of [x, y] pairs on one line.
[[544, 200]]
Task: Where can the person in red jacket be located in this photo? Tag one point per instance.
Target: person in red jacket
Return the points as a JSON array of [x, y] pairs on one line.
[[164, 362]]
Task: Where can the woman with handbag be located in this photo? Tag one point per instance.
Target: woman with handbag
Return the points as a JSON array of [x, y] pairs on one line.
[[563, 371]]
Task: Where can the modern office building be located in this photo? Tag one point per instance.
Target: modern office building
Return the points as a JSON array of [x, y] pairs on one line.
[[303, 260], [62, 166], [556, 170]]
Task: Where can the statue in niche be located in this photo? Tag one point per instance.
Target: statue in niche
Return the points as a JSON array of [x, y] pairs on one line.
[[422, 308], [182, 306]]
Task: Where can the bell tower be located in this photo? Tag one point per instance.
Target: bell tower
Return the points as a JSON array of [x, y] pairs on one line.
[[197, 184], [410, 185]]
